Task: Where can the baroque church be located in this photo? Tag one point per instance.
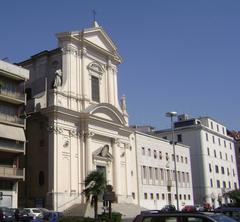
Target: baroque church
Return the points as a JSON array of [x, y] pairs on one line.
[[75, 122]]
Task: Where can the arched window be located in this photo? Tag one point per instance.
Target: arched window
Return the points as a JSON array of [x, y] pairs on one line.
[[41, 178]]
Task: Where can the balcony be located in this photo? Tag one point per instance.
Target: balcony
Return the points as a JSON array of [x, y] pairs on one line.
[[11, 118], [12, 97], [12, 173], [11, 146]]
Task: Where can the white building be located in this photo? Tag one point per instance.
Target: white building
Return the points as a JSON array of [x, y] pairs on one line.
[[12, 136], [156, 172], [76, 123], [212, 156]]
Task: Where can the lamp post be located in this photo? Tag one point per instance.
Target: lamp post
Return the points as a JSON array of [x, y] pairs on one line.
[[171, 115]]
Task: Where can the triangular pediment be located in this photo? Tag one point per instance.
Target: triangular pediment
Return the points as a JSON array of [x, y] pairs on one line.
[[98, 37]]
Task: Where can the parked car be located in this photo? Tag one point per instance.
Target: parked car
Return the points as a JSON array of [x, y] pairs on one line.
[[233, 212], [52, 216], [6, 215], [34, 212], [168, 208], [177, 216], [21, 214], [199, 207], [189, 208]]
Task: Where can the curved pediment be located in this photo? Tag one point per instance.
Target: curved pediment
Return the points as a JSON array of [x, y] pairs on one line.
[[108, 112]]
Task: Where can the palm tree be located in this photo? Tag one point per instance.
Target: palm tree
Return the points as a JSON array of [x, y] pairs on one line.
[[95, 185]]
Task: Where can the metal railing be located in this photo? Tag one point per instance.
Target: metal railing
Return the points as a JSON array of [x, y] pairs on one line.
[[11, 145], [11, 94], [11, 172], [11, 118]]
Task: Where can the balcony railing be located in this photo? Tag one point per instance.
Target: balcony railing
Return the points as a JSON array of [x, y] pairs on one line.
[[11, 118], [11, 145], [11, 94], [12, 172]]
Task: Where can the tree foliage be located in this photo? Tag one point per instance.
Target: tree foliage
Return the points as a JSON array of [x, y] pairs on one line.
[[95, 185], [234, 195]]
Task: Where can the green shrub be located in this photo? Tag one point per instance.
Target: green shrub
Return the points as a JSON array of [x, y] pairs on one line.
[[116, 217], [76, 219]]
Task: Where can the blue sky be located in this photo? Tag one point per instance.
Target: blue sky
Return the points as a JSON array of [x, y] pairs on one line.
[[181, 55]]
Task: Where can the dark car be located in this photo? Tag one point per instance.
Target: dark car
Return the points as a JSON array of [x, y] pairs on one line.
[[6, 215], [177, 216], [233, 212], [168, 208], [22, 215], [52, 216], [189, 208]]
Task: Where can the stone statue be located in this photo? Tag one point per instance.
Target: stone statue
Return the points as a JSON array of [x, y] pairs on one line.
[[123, 103], [58, 79]]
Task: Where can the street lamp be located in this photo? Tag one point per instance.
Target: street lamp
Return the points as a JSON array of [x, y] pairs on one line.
[[171, 115]]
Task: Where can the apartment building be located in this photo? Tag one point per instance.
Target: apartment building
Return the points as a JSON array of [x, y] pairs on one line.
[[213, 159], [156, 172], [236, 136], [12, 126]]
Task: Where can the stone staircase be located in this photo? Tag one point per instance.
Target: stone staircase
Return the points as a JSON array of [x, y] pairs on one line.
[[128, 211]]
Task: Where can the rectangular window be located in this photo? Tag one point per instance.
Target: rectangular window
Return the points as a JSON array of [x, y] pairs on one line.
[[157, 196], [151, 196], [219, 141], [150, 173], [229, 184], [218, 184], [222, 169], [143, 151], [224, 143], [133, 195], [149, 152], [208, 151], [182, 159], [211, 125], [95, 89], [213, 139], [223, 130], [217, 128], [220, 153], [216, 169], [145, 196], [144, 173], [206, 136], [210, 168], [179, 138], [155, 154], [186, 161], [211, 183], [163, 196], [160, 155], [156, 173], [167, 156], [226, 156], [224, 184], [215, 154]]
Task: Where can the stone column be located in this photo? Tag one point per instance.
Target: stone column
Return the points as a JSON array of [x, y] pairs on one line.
[[116, 161], [110, 83], [88, 152]]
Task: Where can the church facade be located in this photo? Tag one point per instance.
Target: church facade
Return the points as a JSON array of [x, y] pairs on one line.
[[75, 123]]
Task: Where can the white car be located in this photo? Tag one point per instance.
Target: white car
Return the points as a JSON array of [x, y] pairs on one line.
[[34, 212]]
